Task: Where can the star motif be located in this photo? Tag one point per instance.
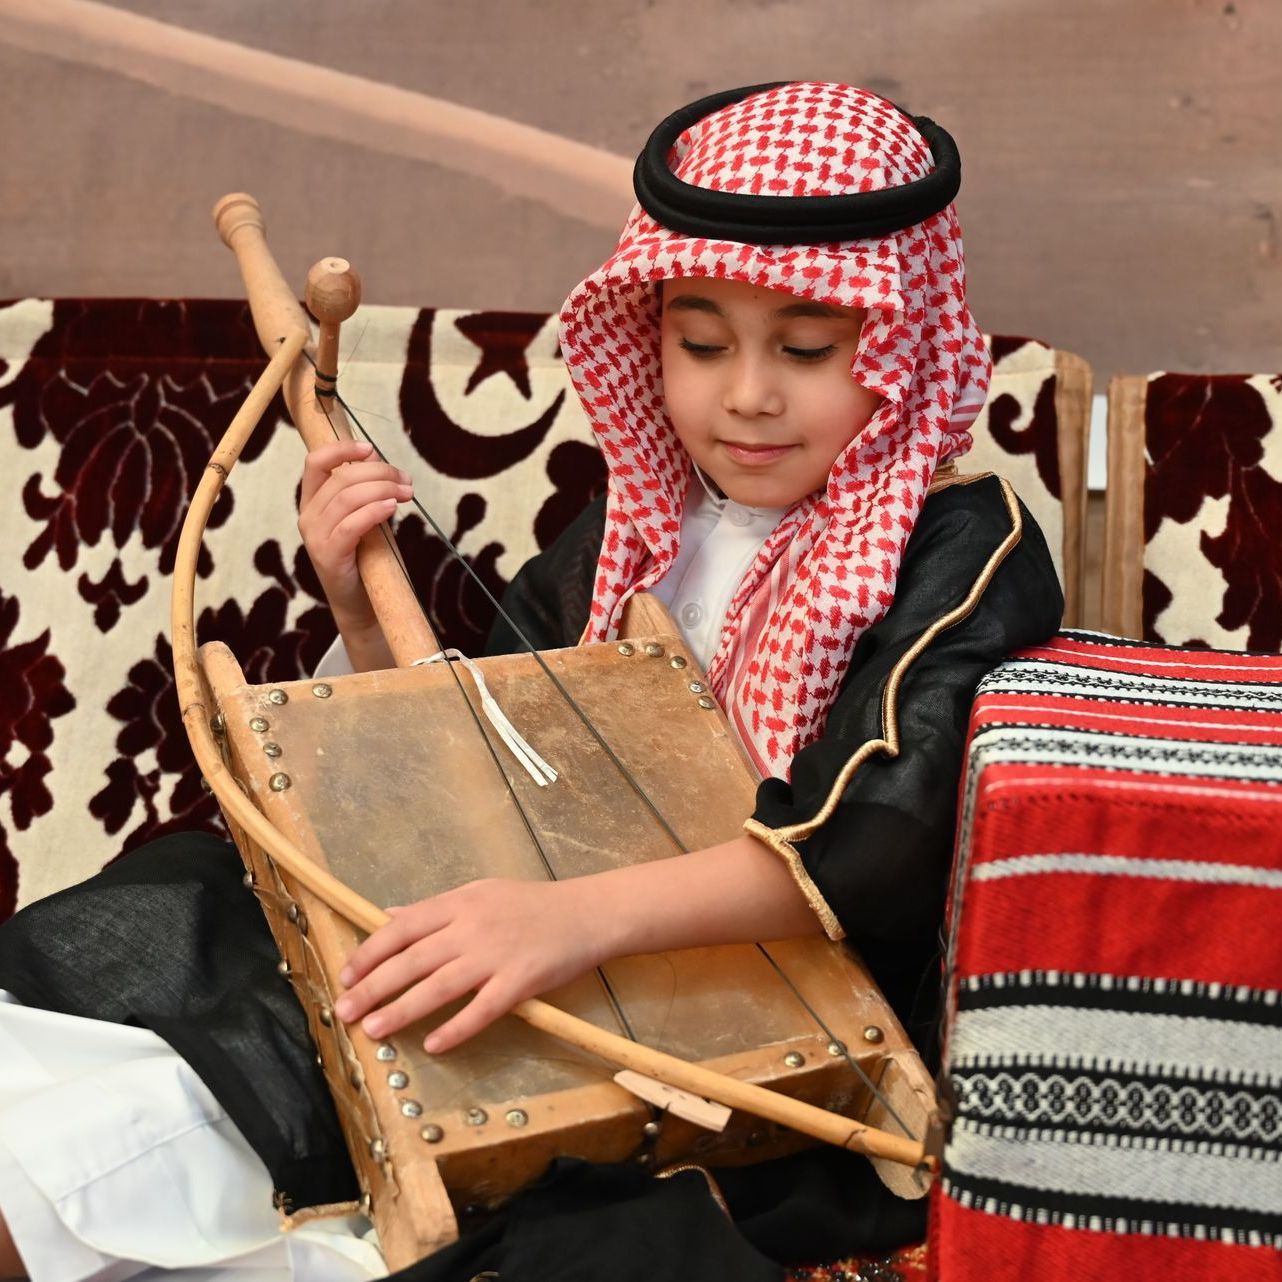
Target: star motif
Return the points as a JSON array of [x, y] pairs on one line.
[[504, 339]]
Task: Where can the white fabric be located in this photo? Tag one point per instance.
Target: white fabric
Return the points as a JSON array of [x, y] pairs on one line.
[[335, 662], [719, 542], [116, 1162]]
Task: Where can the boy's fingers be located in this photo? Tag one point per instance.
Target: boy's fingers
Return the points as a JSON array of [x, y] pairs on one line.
[[321, 461], [352, 529], [393, 977], [350, 477], [351, 499], [445, 985], [478, 1014], [417, 922]]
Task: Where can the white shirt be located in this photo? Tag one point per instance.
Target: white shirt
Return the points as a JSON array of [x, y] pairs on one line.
[[720, 540]]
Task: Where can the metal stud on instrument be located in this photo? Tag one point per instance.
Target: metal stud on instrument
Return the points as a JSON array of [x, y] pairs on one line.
[[258, 724], [386, 1052], [218, 724], [432, 1133], [626, 649], [873, 1034], [697, 687], [411, 1108], [794, 1059], [326, 1017], [677, 661], [271, 749], [377, 1149], [277, 697], [706, 703], [278, 782], [517, 1117], [654, 650], [477, 1117], [836, 1049], [651, 1130], [397, 1080], [322, 690]]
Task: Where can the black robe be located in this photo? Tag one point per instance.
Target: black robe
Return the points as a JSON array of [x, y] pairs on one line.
[[207, 982]]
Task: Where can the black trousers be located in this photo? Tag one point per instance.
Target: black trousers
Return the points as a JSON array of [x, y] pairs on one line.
[[169, 938]]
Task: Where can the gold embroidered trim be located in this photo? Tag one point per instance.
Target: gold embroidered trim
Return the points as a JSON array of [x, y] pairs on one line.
[[713, 1187], [948, 476], [792, 857], [943, 478], [888, 744]]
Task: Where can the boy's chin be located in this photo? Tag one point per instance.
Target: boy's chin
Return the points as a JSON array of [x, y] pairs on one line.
[[760, 492]]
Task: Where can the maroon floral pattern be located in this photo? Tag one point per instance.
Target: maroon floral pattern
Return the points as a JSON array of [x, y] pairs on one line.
[[1205, 440], [448, 447], [135, 431], [577, 471], [1040, 438], [32, 695], [268, 650], [458, 602], [116, 410]]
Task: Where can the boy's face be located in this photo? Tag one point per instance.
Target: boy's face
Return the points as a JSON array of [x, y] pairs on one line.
[[758, 387]]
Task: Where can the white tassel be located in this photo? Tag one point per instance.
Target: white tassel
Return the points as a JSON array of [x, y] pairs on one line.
[[535, 766]]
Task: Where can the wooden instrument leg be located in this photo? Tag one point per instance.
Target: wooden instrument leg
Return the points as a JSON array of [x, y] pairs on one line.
[[406, 1238]]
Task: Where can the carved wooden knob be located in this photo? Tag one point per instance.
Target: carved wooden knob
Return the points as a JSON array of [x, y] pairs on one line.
[[236, 210], [333, 290]]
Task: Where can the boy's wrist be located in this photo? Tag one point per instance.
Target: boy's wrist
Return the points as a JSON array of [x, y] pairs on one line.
[[363, 639]]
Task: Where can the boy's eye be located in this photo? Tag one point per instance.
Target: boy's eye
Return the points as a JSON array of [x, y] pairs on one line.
[[811, 353], [700, 349]]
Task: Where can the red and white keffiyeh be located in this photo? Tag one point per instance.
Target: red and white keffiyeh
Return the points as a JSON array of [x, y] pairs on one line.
[[828, 572]]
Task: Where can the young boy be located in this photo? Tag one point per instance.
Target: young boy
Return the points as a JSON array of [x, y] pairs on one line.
[[779, 364]]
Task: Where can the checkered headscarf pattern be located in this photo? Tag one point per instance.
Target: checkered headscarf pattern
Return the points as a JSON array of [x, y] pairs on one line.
[[829, 570]]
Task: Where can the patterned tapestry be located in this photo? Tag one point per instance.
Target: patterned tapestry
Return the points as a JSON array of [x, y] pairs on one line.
[[1213, 510], [113, 407]]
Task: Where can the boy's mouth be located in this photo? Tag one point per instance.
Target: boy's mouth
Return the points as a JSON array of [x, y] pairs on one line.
[[754, 455]]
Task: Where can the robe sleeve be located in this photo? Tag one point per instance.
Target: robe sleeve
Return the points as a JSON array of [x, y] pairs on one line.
[[869, 835]]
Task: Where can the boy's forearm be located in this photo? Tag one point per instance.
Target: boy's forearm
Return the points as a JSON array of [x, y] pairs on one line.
[[739, 892], [367, 648]]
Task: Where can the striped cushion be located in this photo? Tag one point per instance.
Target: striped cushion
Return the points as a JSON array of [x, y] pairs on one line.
[[1115, 1036]]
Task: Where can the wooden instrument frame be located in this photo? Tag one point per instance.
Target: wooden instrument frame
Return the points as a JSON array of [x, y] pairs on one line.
[[406, 1158], [1122, 584]]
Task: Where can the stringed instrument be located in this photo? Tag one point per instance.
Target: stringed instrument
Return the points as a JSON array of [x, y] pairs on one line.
[[793, 1036]]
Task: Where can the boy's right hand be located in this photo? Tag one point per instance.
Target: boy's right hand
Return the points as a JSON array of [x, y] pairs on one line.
[[347, 491]]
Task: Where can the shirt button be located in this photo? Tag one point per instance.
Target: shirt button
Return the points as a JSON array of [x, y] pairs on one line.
[[691, 614], [738, 516]]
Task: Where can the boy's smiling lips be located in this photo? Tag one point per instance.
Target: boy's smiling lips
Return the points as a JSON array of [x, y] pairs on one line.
[[746, 452]]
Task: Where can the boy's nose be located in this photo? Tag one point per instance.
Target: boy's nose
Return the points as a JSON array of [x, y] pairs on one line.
[[750, 390]]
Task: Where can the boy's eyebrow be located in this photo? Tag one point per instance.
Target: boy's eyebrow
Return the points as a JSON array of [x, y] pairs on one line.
[[810, 309], [697, 303]]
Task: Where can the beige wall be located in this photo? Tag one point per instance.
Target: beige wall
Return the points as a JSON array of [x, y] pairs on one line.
[[1121, 193]]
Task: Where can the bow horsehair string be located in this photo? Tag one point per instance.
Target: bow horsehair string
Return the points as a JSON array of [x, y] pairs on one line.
[[833, 1041]]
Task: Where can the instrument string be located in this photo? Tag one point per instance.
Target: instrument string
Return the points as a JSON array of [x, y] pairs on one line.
[[843, 1051], [611, 996]]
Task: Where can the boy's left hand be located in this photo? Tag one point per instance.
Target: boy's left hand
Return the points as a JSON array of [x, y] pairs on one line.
[[503, 940]]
